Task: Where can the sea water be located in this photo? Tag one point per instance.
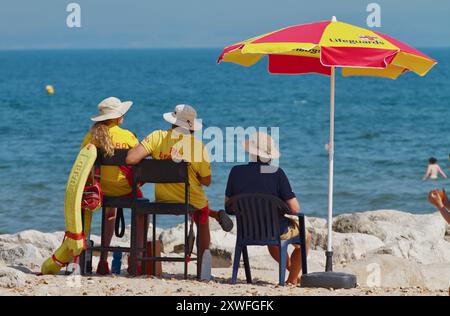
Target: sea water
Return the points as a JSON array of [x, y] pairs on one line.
[[385, 129]]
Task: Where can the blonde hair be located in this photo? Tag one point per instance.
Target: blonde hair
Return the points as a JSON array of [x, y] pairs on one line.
[[101, 139]]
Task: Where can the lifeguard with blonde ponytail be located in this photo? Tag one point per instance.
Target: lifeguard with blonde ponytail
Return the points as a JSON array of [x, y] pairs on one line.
[[107, 135]]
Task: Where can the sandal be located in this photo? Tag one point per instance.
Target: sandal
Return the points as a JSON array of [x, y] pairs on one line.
[[225, 221]]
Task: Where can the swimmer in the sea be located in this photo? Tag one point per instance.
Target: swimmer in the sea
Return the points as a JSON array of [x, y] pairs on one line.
[[433, 170]]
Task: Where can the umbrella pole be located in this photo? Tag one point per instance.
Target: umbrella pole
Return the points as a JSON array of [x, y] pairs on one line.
[[329, 252], [330, 279]]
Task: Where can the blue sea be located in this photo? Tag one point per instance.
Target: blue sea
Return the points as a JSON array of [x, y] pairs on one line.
[[385, 130]]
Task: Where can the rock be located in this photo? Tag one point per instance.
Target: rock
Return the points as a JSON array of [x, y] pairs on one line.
[[26, 255], [390, 226], [318, 238], [447, 233], [386, 271], [221, 258], [28, 248], [315, 223], [353, 246], [424, 252], [346, 247], [222, 244], [416, 237], [43, 241], [404, 249], [172, 238], [215, 226], [436, 276], [316, 261], [11, 278]]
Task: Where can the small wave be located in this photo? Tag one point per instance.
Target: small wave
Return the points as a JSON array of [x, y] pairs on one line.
[[36, 186], [369, 135], [38, 200], [382, 199], [300, 102]]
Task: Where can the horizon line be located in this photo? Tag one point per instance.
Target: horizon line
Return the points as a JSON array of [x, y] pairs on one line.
[[147, 48]]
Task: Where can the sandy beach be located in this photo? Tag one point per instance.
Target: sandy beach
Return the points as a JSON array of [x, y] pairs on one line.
[[391, 252], [173, 285]]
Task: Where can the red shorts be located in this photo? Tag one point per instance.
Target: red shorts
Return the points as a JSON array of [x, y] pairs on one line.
[[204, 214]]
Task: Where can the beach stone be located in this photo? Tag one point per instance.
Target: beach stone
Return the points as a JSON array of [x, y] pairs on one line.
[[172, 238], [447, 233], [416, 237], [346, 246], [37, 238], [215, 226], [353, 246], [390, 225], [315, 223], [382, 270], [43, 241], [11, 278], [221, 246], [424, 252], [26, 255], [436, 276], [316, 261]]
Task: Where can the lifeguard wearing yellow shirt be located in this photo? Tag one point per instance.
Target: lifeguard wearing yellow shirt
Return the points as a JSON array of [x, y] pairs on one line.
[[107, 136], [178, 143]]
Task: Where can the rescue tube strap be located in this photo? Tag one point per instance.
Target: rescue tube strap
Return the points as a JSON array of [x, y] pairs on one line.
[[120, 223], [76, 236], [59, 263]]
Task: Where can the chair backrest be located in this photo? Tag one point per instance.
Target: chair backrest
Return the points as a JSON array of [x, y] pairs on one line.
[[257, 216], [161, 171], [118, 159]]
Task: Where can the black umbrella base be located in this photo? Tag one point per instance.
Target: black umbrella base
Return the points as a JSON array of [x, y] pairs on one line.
[[333, 280]]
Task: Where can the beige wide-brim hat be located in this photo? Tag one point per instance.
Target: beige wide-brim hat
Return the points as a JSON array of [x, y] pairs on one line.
[[262, 145], [184, 116], [111, 108]]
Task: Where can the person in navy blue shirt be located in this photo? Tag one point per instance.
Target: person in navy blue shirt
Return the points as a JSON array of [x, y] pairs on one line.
[[258, 176]]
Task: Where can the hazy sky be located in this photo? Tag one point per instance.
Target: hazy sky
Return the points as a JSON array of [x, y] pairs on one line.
[[204, 23]]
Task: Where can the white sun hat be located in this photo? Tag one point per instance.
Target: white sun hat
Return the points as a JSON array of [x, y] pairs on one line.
[[262, 145], [111, 108], [184, 116]]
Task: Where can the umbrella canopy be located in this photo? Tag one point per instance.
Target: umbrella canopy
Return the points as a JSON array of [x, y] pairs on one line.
[[320, 48], [316, 47]]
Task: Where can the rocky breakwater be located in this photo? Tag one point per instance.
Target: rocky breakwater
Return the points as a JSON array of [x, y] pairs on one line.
[[384, 248]]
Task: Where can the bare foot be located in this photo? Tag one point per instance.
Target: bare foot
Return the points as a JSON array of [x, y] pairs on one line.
[[294, 282]]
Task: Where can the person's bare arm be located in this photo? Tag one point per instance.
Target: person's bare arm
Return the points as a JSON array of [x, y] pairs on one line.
[[445, 212], [442, 204], [136, 154], [428, 173], [442, 173], [294, 206]]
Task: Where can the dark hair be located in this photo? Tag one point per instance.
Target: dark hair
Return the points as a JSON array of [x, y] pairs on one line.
[[432, 160]]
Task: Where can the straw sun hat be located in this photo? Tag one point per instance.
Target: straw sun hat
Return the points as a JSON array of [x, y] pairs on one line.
[[262, 145], [184, 116], [111, 108]]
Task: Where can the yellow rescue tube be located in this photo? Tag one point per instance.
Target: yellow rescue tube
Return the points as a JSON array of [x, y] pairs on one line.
[[71, 246]]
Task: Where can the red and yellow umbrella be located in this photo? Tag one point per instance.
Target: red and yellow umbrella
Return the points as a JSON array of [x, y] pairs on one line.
[[317, 47], [320, 48]]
